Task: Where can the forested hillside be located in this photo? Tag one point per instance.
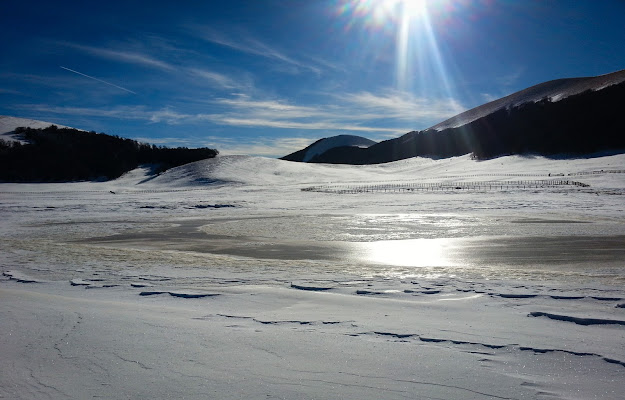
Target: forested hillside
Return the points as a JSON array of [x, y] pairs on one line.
[[56, 155]]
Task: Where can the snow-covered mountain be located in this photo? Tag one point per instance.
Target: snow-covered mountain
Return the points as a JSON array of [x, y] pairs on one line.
[[9, 124], [555, 90], [322, 145]]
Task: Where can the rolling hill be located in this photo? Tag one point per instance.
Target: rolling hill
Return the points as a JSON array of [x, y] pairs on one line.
[[8, 125]]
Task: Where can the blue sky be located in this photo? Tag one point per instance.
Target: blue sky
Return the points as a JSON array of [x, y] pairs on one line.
[[269, 77]]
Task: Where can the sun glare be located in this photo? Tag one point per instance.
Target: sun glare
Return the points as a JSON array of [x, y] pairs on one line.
[[378, 13], [406, 8], [419, 63]]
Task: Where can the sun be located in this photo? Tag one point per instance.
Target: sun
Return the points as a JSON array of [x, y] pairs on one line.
[[412, 25], [406, 9], [381, 12]]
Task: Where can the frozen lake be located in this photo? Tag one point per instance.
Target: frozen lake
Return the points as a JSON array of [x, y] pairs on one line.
[[492, 249]]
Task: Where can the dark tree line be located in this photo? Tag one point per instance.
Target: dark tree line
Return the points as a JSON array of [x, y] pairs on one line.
[[585, 123], [56, 155]]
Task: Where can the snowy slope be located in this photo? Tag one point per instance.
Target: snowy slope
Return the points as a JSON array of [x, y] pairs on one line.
[[8, 125], [267, 172], [554, 90], [256, 171]]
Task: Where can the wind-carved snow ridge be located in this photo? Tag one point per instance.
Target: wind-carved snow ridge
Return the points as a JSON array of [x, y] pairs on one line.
[[403, 337], [515, 295], [426, 339], [93, 283], [140, 285], [178, 293], [20, 277], [577, 320], [272, 322], [80, 282], [603, 298], [310, 287], [574, 353], [408, 337]]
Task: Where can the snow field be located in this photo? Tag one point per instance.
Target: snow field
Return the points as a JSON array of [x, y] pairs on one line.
[[223, 279]]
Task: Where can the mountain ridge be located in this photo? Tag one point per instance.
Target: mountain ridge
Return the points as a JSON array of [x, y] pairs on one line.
[[571, 115], [557, 89]]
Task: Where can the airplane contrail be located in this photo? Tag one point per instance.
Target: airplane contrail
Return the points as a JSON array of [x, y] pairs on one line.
[[96, 79]]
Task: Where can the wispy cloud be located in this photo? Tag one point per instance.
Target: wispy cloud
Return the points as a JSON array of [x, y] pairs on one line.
[[289, 124], [125, 56], [511, 78], [246, 43], [140, 113], [360, 112], [271, 107], [277, 113], [488, 97], [220, 80], [232, 118], [99, 80], [400, 106], [388, 113]]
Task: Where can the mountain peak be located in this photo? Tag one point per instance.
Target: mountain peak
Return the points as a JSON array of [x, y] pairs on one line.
[[322, 145]]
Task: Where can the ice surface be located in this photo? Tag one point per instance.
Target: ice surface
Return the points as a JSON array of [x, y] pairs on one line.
[[224, 279]]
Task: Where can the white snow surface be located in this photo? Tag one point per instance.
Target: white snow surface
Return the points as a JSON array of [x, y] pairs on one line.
[[246, 277], [9, 124], [555, 90], [336, 141]]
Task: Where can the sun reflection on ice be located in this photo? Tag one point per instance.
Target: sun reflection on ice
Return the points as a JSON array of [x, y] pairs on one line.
[[407, 253]]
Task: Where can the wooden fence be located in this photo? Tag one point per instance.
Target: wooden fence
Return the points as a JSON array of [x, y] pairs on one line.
[[442, 186]]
